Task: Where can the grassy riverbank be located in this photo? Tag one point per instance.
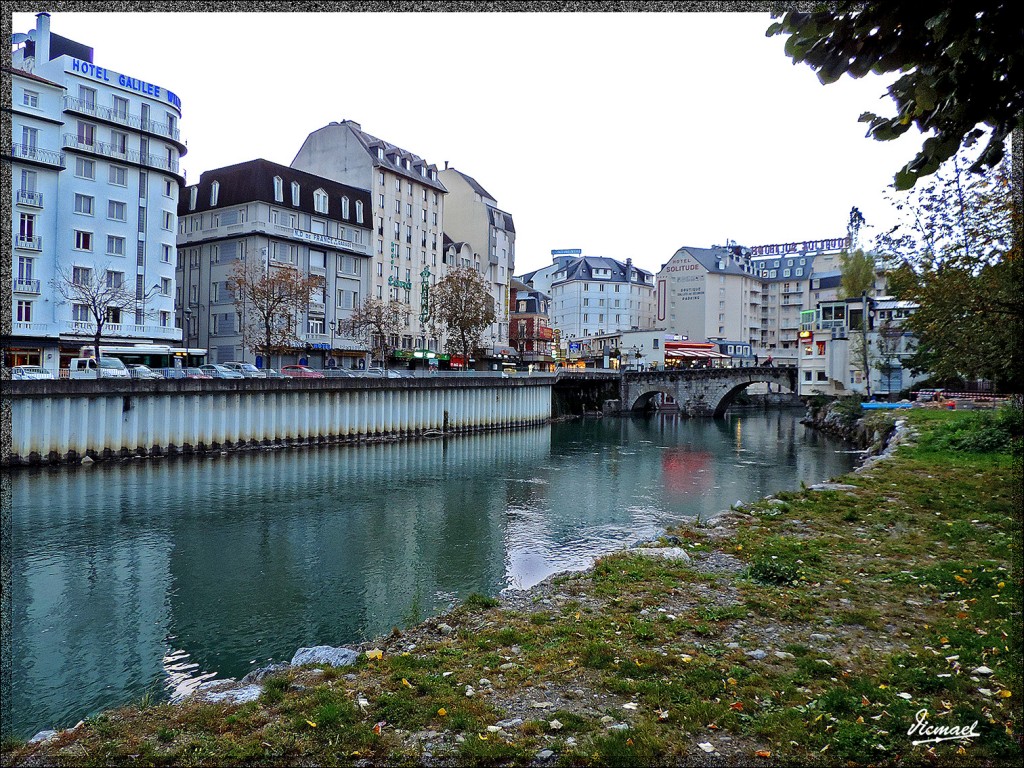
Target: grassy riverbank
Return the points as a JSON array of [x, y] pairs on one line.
[[810, 628]]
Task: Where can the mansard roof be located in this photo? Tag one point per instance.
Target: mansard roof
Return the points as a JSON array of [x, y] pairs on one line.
[[394, 157], [253, 180]]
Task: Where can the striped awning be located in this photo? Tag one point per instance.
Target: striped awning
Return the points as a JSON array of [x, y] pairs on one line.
[[689, 354]]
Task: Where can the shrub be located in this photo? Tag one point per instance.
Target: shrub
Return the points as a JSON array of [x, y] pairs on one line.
[[981, 431]]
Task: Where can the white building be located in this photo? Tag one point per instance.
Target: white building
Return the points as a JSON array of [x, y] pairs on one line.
[[594, 296], [408, 214], [288, 220], [833, 359], [95, 182]]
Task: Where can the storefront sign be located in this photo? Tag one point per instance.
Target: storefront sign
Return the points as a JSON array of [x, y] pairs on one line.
[[313, 237], [141, 87], [780, 249]]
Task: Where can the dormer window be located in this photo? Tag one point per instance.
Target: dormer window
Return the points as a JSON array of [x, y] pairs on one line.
[[344, 207], [214, 193], [433, 175], [193, 195], [278, 189], [295, 193], [320, 201], [423, 171], [380, 153], [359, 211]]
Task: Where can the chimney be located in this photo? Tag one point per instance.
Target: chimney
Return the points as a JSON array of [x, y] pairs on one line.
[[446, 165], [42, 38]]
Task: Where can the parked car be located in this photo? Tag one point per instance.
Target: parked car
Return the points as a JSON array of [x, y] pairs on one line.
[[30, 373], [301, 372], [140, 371], [219, 372], [88, 368], [196, 373], [270, 373], [390, 373], [248, 370]]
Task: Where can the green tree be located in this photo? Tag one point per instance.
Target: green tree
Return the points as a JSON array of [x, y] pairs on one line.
[[856, 273], [461, 308], [960, 65], [956, 257]]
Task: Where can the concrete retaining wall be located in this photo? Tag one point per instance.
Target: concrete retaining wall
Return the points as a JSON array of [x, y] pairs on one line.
[[59, 421]]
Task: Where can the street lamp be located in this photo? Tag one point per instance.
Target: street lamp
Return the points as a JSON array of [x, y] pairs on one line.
[[638, 352], [331, 363]]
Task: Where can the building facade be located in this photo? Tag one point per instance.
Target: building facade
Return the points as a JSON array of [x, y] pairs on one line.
[[284, 219], [472, 216], [857, 345], [595, 296], [530, 331], [95, 175], [408, 201]]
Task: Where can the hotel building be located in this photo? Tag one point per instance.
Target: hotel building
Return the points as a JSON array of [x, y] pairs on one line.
[[95, 180]]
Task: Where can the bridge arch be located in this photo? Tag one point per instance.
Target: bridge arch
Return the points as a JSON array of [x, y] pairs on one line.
[[699, 392], [645, 401]]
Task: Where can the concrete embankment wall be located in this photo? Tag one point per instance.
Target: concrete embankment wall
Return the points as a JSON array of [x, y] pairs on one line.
[[60, 421]]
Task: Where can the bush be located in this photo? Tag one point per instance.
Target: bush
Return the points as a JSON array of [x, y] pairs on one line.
[[848, 409], [981, 431]]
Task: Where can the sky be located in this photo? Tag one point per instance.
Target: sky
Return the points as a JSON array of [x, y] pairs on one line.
[[624, 135]]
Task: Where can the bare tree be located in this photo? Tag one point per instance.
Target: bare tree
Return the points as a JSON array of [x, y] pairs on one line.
[[270, 301], [374, 323], [103, 293], [461, 307]]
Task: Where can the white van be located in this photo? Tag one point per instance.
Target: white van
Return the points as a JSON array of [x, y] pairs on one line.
[[108, 368]]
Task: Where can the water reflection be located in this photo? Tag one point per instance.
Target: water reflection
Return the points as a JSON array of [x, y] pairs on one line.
[[156, 574]]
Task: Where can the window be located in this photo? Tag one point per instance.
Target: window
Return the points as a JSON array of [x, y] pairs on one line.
[[118, 176], [165, 253], [115, 280], [398, 206], [278, 189], [86, 134], [83, 204], [83, 240], [80, 313], [169, 189], [168, 223], [81, 275], [117, 211], [165, 286], [115, 245], [807, 375], [380, 201], [165, 319], [24, 311], [295, 193], [359, 211], [87, 97], [119, 142], [344, 207], [316, 326], [120, 109], [320, 202], [30, 99], [214, 193]]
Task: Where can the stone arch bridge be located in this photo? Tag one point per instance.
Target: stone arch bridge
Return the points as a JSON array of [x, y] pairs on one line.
[[699, 391]]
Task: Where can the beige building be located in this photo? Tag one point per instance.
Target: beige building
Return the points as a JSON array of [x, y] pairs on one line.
[[408, 201], [472, 218]]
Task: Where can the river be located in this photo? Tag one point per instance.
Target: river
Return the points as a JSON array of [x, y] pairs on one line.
[[152, 575]]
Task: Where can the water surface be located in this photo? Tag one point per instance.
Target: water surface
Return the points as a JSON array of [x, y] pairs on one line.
[[154, 574]]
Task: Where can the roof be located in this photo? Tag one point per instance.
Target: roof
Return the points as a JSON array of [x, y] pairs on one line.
[[709, 258], [474, 184], [254, 180], [31, 76], [506, 218], [683, 354], [582, 268], [393, 154]]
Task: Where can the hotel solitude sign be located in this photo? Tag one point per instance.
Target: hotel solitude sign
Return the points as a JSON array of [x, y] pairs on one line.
[[780, 249]]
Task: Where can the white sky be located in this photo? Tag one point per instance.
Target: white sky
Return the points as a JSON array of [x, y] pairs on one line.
[[626, 135]]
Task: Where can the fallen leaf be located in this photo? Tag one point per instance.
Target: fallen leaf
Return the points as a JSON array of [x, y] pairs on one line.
[[481, 737], [1005, 693], [737, 705], [406, 683], [864, 701], [376, 653], [554, 725], [311, 724], [686, 658], [706, 746], [663, 714], [379, 727], [731, 681], [763, 753], [442, 712], [629, 705], [629, 742]]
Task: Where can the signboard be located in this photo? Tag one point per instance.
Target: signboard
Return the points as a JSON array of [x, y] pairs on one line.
[[781, 249], [109, 76], [568, 252]]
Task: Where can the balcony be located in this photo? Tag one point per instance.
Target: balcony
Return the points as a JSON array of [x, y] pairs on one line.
[[317, 308], [26, 286], [33, 329], [71, 141], [29, 197], [122, 330], [34, 154], [90, 108], [29, 243]]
